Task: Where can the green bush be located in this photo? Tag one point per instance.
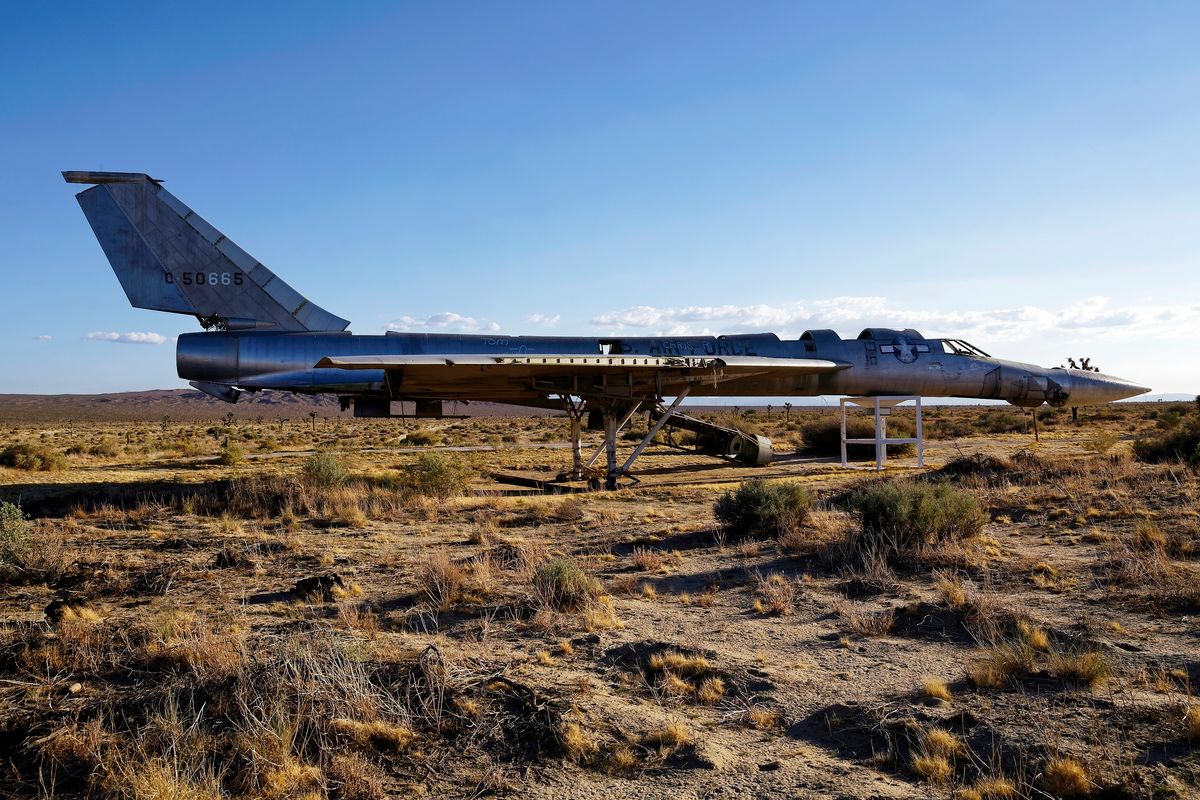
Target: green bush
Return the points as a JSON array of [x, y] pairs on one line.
[[325, 470], [33, 457], [900, 517], [823, 436], [1181, 443], [231, 453], [759, 508], [420, 438], [14, 531], [562, 584], [437, 475]]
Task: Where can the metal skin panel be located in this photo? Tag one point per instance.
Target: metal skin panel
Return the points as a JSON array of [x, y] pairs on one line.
[[169, 259], [289, 362]]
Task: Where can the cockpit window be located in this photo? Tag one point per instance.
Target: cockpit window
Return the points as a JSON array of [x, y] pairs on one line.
[[961, 348]]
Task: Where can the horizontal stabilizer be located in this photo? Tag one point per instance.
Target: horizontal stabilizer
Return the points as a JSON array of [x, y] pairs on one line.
[[168, 258]]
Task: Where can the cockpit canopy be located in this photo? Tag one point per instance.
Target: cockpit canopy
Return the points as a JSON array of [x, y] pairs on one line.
[[888, 334]]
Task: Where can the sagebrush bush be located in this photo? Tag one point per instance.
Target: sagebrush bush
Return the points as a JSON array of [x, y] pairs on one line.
[[324, 470], [900, 517], [823, 436], [1181, 443], [14, 530], [562, 584], [759, 508], [32, 457], [438, 475], [231, 453]]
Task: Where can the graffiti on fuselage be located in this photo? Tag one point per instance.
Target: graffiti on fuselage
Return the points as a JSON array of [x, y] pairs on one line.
[[693, 347]]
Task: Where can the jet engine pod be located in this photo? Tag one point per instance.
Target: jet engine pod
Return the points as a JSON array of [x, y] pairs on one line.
[[721, 442]]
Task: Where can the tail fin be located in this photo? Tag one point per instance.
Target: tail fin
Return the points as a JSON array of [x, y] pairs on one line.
[[169, 259]]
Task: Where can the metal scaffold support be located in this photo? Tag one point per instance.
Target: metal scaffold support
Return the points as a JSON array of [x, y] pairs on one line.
[[883, 407]]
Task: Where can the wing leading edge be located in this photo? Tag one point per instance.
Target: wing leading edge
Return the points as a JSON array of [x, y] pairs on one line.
[[572, 362]]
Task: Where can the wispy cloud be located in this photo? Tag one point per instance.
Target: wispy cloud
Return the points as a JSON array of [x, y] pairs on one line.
[[543, 319], [445, 321], [43, 338], [131, 337], [1098, 315]]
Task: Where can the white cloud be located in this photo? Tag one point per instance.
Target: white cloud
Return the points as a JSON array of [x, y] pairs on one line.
[[43, 338], [445, 321], [132, 337], [543, 319], [1096, 316]]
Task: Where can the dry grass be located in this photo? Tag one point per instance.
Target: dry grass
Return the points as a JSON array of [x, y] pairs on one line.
[[647, 560], [935, 688], [1065, 777], [441, 580], [668, 738], [777, 594], [864, 621], [578, 745], [1089, 668], [1191, 724], [933, 768]]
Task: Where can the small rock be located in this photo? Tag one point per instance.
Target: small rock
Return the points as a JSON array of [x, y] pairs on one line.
[[75, 688], [769, 766]]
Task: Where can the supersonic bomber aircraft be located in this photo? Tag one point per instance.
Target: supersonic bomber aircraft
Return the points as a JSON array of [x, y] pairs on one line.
[[260, 333]]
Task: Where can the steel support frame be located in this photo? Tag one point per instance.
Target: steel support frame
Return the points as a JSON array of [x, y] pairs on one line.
[[882, 407]]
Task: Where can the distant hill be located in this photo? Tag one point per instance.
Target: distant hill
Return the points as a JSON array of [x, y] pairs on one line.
[[189, 404]]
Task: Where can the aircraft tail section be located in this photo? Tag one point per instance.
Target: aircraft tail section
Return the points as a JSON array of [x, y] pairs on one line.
[[168, 258]]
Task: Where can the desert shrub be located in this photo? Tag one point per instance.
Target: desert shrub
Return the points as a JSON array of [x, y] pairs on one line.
[[231, 453], [900, 518], [14, 531], [438, 475], [1181, 443], [1001, 422], [562, 584], [420, 437], [325, 470], [105, 448], [32, 457], [823, 436], [759, 508]]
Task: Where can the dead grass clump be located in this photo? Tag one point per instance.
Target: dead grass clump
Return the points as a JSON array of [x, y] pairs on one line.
[[687, 664], [441, 580], [936, 688], [1191, 723], [1000, 665], [951, 590], [711, 690], [646, 559], [353, 777], [578, 744], [377, 734], [932, 768], [864, 621], [1089, 668], [937, 741], [667, 739], [996, 787], [763, 718], [777, 594], [1065, 777]]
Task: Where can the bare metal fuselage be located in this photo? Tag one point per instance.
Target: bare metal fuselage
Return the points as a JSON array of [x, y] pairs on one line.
[[878, 362]]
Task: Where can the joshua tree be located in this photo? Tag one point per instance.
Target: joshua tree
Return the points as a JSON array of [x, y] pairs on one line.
[[1084, 364]]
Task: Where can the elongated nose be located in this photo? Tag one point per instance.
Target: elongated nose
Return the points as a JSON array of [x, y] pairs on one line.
[[1094, 388]]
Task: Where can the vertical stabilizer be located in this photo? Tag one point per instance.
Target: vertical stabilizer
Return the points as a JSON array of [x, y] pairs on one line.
[[168, 258]]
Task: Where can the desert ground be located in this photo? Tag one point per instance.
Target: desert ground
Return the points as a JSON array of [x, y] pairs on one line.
[[273, 604]]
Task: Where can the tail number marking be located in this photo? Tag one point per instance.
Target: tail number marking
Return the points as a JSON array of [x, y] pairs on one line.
[[207, 278]]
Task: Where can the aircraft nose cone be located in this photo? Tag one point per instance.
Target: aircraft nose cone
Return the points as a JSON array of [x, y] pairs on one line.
[[1094, 388]]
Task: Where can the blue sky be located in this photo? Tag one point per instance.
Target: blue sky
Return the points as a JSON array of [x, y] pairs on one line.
[[1024, 175]]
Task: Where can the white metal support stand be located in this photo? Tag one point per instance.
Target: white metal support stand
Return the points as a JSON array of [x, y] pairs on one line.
[[882, 407]]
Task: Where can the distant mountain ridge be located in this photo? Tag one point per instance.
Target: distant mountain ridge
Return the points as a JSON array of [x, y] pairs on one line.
[[189, 404]]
